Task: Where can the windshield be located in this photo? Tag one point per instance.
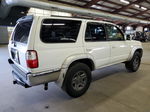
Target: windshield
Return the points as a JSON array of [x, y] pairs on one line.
[[59, 31], [22, 31]]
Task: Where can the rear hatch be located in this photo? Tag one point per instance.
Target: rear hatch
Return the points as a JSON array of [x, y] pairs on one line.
[[18, 44]]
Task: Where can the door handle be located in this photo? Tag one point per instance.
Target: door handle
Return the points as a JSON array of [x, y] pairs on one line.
[[88, 49], [114, 47]]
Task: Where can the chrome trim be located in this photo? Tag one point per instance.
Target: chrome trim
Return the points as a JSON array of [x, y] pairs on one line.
[[45, 72], [19, 71], [42, 79], [34, 79]]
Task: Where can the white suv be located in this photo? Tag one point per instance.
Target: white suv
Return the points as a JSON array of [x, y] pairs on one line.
[[66, 50]]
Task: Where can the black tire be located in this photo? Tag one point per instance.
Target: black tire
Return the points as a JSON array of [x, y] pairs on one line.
[[134, 63], [73, 80]]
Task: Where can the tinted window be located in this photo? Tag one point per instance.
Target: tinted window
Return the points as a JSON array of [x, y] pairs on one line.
[[22, 31], [114, 33], [59, 31], [95, 32]]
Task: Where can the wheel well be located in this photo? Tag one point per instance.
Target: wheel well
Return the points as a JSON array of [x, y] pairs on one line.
[[140, 51], [88, 62]]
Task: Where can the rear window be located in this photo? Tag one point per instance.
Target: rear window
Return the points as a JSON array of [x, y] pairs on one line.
[[21, 32], [59, 31]]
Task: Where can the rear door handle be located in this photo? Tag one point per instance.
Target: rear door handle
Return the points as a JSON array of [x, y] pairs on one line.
[[88, 49], [114, 47]]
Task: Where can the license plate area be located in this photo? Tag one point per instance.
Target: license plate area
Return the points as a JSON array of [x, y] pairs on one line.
[[15, 55]]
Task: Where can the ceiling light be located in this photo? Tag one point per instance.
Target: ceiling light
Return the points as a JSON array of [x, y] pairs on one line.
[[136, 5], [145, 29], [143, 8], [125, 1], [97, 7], [128, 28]]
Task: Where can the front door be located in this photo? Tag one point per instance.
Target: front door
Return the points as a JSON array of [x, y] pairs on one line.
[[119, 46], [96, 45]]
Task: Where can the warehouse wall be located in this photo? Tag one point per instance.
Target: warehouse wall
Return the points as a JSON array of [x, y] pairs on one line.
[[139, 29], [3, 35]]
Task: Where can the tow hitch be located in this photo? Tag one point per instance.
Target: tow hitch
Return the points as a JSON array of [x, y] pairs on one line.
[[21, 83], [46, 86]]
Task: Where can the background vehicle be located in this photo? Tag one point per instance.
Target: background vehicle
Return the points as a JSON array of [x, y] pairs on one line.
[[141, 36], [147, 33], [66, 50]]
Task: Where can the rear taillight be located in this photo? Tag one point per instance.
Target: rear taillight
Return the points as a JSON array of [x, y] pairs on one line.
[[32, 59]]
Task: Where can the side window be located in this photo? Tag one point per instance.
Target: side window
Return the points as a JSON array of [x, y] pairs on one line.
[[59, 31], [95, 32], [114, 33]]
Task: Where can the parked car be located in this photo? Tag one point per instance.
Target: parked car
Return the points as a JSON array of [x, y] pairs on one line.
[[147, 33], [141, 36], [67, 50]]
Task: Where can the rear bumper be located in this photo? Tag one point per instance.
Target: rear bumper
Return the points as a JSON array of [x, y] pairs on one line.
[[29, 79]]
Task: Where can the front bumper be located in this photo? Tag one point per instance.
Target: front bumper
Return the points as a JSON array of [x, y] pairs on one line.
[[30, 79]]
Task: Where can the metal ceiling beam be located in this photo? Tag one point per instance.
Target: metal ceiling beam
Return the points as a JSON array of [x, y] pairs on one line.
[[68, 3], [49, 5], [91, 7], [127, 6], [140, 13], [101, 5], [104, 6], [148, 1], [148, 26], [117, 4], [100, 19], [92, 2], [112, 8], [86, 7], [82, 1], [114, 3], [118, 22], [131, 24], [147, 18]]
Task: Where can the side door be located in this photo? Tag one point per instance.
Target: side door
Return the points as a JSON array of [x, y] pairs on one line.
[[119, 46], [95, 43]]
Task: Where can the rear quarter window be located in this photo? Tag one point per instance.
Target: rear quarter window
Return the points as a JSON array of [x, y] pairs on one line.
[[21, 32], [59, 31]]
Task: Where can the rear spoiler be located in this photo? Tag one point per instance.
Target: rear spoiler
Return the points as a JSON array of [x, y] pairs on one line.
[[25, 18]]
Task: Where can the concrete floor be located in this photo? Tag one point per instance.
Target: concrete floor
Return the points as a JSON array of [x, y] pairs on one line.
[[113, 90]]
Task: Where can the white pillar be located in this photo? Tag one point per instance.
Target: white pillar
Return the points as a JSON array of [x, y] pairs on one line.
[[3, 35]]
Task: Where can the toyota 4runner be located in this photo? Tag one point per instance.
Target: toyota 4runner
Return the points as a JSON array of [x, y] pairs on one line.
[[66, 50]]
